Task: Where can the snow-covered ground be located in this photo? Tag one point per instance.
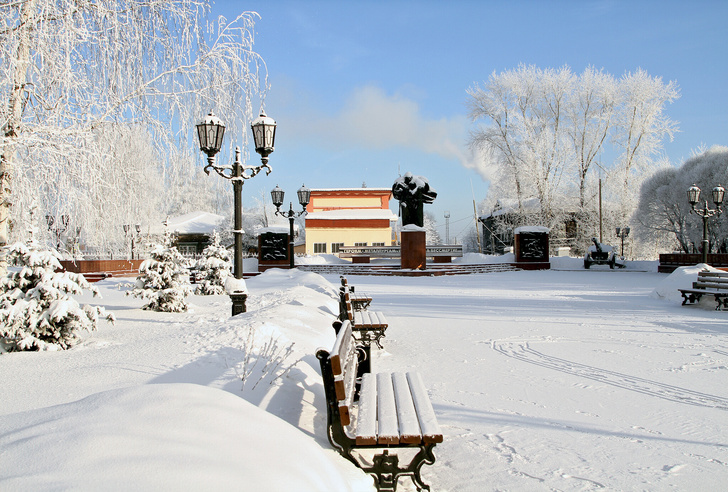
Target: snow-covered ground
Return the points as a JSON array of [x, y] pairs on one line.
[[563, 379]]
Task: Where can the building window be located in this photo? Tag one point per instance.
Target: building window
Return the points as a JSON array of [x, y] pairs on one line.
[[378, 245], [187, 249], [359, 245], [319, 248], [336, 247]]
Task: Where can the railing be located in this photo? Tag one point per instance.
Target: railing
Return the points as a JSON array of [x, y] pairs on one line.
[[394, 251], [671, 261]]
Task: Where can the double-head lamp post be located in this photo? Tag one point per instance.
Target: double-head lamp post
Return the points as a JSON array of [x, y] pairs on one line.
[[210, 133], [694, 198], [304, 196]]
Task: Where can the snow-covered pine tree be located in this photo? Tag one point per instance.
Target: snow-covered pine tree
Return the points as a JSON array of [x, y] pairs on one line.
[[215, 268], [36, 309], [164, 279]]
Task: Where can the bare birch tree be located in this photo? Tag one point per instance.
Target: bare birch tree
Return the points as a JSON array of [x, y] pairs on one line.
[[69, 69], [541, 132]]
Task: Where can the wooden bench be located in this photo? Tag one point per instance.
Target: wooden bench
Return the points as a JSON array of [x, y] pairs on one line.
[[368, 326], [377, 413], [708, 283], [358, 301]]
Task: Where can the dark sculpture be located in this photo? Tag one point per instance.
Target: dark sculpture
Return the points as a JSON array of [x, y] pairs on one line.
[[413, 192]]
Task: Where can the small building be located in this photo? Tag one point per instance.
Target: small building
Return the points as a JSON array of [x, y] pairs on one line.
[[193, 231], [348, 217], [498, 226]]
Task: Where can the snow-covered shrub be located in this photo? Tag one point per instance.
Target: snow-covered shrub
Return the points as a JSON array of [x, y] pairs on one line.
[[164, 279], [36, 309], [214, 268]]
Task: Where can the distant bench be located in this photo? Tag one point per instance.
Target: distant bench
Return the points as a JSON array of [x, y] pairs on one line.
[[380, 412], [708, 283], [363, 254], [369, 326], [359, 301]]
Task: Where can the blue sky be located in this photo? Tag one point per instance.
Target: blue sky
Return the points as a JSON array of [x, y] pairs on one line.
[[363, 91]]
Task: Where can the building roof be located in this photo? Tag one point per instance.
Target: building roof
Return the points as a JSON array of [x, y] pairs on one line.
[[193, 223], [378, 190]]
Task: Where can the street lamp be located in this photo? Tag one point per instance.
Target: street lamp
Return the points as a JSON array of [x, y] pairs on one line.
[[304, 196], [57, 228], [694, 197], [210, 133], [622, 232]]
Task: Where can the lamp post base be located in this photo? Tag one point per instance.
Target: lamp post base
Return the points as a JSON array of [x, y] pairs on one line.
[[238, 303]]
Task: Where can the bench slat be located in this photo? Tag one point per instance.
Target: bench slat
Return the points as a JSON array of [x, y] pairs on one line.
[[386, 411], [344, 385], [409, 427], [340, 348], [431, 432], [366, 431], [709, 284], [381, 320]]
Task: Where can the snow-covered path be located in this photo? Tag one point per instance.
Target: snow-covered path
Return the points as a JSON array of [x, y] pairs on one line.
[[546, 380], [563, 380]]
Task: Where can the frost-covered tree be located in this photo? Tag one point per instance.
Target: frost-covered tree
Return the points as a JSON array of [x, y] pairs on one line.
[[164, 279], [542, 131], [430, 226], [215, 267], [37, 311], [69, 70], [663, 213]]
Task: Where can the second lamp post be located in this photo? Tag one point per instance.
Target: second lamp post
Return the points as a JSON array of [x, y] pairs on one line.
[[694, 197], [304, 196]]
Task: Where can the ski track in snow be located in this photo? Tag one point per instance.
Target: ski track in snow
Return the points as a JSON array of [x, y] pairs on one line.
[[522, 350]]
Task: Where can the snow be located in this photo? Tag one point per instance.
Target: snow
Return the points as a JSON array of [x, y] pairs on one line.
[[192, 223], [561, 379], [235, 285], [531, 229], [412, 228]]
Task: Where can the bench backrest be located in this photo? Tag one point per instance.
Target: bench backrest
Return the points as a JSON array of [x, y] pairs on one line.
[[347, 310], [343, 362], [713, 280]]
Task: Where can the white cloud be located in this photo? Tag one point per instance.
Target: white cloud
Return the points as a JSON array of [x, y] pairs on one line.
[[372, 119]]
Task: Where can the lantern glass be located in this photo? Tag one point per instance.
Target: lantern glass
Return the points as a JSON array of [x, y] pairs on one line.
[[693, 195], [304, 196], [626, 231], [264, 134], [277, 195], [210, 133], [718, 194]]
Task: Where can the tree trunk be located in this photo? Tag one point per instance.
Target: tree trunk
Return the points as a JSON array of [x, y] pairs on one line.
[[12, 127]]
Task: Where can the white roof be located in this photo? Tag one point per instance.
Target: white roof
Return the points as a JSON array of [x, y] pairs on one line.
[[352, 189], [506, 206], [353, 214], [193, 223]]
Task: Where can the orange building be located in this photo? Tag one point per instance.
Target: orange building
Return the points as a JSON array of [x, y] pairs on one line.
[[348, 217]]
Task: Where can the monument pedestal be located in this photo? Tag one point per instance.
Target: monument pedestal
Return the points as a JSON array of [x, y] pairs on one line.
[[413, 253], [531, 245]]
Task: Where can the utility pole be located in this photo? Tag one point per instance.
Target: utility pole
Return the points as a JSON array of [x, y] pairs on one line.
[[447, 227]]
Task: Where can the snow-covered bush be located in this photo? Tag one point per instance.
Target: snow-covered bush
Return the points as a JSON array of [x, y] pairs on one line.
[[214, 268], [164, 279], [36, 309]]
